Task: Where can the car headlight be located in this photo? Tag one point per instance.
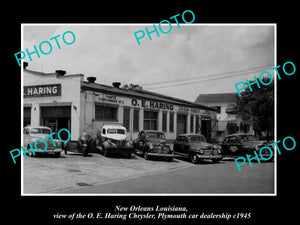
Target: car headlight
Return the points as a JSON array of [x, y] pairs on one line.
[[171, 147], [58, 144], [201, 151], [150, 146]]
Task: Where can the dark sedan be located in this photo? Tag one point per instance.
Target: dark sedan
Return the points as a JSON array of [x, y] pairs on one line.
[[195, 147], [242, 144], [152, 143]]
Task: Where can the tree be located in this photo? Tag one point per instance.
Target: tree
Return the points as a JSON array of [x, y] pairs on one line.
[[257, 106]]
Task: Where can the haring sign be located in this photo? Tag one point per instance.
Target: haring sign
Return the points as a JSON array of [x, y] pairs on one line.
[[42, 90], [151, 104]]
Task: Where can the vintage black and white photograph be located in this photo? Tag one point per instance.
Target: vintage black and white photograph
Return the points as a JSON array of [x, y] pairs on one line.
[[149, 109]]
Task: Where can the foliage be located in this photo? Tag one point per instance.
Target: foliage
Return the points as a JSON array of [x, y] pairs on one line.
[[257, 106]]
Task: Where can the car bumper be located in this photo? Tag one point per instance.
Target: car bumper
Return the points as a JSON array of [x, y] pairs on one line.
[[210, 156], [161, 154], [56, 150]]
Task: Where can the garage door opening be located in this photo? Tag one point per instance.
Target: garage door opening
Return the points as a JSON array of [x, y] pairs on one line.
[[57, 117]]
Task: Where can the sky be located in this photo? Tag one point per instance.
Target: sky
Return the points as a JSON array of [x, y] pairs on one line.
[[194, 55]]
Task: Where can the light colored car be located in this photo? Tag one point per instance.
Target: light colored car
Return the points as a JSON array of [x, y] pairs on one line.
[[112, 140], [31, 134]]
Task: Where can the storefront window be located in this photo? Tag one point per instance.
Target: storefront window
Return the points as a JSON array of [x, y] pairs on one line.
[[136, 118], [126, 118], [150, 120], [192, 124], [164, 122], [171, 122], [106, 113], [26, 116]]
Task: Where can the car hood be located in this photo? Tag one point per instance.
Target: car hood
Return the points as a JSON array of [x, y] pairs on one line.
[[200, 144], [253, 143], [38, 135], [118, 137], [33, 137]]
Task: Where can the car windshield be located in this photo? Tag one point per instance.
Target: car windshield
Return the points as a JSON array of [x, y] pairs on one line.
[[40, 131], [115, 131], [155, 135], [197, 138], [248, 138]]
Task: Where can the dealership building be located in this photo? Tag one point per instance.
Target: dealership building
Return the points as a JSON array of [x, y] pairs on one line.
[[58, 100]]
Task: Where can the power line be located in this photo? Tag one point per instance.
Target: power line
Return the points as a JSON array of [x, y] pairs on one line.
[[209, 79], [249, 70]]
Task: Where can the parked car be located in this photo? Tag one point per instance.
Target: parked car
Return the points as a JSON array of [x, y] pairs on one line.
[[31, 134], [242, 144], [83, 145], [153, 143], [112, 140], [195, 147]]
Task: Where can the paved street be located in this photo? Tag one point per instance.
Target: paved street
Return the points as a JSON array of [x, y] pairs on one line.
[[96, 174]]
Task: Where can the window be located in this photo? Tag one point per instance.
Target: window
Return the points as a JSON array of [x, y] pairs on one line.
[[155, 135], [136, 118], [39, 131], [150, 120], [192, 124], [164, 121], [115, 131], [171, 128], [197, 138], [198, 128], [178, 138], [126, 118], [107, 113]]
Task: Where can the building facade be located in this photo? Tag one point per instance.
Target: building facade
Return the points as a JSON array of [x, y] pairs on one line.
[[228, 122], [61, 101]]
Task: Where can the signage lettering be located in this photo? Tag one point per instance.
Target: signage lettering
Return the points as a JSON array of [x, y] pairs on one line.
[[42, 90], [152, 104], [110, 99]]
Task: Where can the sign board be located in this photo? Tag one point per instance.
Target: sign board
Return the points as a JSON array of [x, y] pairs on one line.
[[151, 104], [42, 90]]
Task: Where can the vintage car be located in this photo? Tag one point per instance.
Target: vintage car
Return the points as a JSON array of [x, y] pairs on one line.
[[83, 145], [31, 134], [242, 144], [153, 143], [112, 140], [195, 147]]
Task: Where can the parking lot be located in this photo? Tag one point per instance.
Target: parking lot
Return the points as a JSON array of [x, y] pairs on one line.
[[47, 174], [69, 173]]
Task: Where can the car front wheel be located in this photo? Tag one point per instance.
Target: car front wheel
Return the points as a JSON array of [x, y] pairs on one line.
[[146, 156], [193, 157]]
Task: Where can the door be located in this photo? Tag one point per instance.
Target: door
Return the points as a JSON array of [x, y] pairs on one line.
[[57, 118], [186, 146], [225, 146], [206, 128], [181, 124], [234, 146], [178, 145]]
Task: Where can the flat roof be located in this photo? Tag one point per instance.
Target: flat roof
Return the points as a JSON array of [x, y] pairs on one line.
[[141, 94]]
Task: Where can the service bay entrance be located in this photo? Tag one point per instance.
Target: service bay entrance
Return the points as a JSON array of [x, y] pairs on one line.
[[57, 117]]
